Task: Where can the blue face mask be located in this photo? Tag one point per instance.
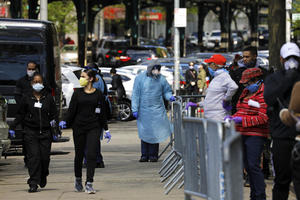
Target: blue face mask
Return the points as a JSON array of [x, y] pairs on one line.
[[253, 87], [211, 71], [38, 87]]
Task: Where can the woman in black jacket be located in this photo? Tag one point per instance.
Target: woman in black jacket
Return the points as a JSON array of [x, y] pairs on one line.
[[37, 113], [86, 116]]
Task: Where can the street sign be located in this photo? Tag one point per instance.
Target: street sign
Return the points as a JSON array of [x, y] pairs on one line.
[[180, 17], [295, 16]]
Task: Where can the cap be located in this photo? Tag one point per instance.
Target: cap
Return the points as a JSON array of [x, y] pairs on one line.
[[249, 74], [217, 59], [289, 49]]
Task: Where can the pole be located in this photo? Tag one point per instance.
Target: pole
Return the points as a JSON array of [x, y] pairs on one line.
[[288, 7], [101, 24], [44, 9], [176, 53]]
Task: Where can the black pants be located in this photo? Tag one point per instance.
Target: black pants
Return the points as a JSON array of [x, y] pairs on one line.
[[86, 140], [38, 148], [149, 150], [284, 173]]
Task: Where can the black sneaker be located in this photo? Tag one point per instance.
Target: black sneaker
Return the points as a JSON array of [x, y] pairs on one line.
[[84, 165], [43, 182], [78, 185], [100, 165], [247, 183], [143, 159], [32, 188], [153, 159]]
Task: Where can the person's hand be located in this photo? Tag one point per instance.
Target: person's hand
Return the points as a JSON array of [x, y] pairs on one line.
[[52, 123], [190, 104], [62, 124], [12, 133], [237, 120], [200, 90], [55, 137], [172, 98], [226, 105], [135, 115], [227, 118], [107, 136]]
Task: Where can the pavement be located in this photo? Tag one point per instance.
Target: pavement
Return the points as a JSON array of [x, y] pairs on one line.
[[123, 177]]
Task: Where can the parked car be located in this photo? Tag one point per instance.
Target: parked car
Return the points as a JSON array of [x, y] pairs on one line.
[[4, 140], [214, 39], [263, 38], [202, 56], [124, 106], [104, 45], [69, 54]]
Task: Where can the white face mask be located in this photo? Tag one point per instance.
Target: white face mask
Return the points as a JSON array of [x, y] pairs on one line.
[[155, 72], [30, 73], [191, 67], [291, 63]]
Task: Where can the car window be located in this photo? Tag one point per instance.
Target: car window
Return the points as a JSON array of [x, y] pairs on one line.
[[77, 73], [161, 53], [69, 48], [125, 78], [14, 58], [216, 34], [64, 79]]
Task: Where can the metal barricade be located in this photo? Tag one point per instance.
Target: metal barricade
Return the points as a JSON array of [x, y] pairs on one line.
[[192, 111], [212, 160]]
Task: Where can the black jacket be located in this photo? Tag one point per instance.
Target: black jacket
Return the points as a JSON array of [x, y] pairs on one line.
[[278, 87], [116, 84], [191, 76], [23, 86], [33, 116], [82, 110]]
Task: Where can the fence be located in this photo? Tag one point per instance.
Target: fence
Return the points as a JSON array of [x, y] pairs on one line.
[[206, 158]]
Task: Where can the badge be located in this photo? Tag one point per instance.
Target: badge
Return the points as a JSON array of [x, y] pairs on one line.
[[253, 103], [98, 110], [37, 105]]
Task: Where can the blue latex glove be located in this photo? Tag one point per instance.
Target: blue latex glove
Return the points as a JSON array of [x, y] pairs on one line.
[[62, 124], [53, 123], [237, 120], [12, 133], [135, 115], [107, 136], [55, 137], [172, 98], [190, 104], [226, 105], [228, 117]]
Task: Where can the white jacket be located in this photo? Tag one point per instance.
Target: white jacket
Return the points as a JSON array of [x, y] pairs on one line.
[[222, 87]]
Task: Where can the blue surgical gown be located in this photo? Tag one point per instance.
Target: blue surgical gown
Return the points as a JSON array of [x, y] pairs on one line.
[[147, 100]]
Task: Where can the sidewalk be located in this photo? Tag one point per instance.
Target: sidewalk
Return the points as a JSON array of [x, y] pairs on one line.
[[123, 177]]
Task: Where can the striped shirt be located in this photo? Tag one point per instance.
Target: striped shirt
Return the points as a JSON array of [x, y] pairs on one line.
[[254, 118]]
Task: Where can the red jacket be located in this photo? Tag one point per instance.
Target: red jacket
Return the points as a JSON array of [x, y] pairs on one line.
[[254, 120]]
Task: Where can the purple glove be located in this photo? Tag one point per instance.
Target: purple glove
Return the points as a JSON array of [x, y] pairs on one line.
[[228, 117], [190, 104], [237, 120], [226, 105]]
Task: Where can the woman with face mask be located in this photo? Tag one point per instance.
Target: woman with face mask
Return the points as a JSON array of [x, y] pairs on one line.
[[37, 113], [86, 116], [251, 121]]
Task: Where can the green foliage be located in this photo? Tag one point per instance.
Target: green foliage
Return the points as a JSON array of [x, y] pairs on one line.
[[63, 14], [296, 24]]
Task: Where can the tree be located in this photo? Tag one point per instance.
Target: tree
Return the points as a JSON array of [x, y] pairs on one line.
[[63, 15], [296, 24]]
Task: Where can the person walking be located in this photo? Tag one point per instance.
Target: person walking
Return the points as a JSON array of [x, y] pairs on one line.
[[37, 112], [252, 122], [201, 79], [149, 90], [86, 116], [278, 87], [116, 84], [219, 92], [191, 80]]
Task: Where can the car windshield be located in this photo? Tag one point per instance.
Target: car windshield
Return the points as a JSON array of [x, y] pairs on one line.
[[14, 58], [114, 44], [69, 48], [216, 34]]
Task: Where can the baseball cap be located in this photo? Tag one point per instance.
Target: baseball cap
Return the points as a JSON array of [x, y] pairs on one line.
[[217, 59], [250, 73], [289, 49]]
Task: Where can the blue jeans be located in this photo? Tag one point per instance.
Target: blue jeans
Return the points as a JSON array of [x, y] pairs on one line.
[[252, 151], [149, 151]]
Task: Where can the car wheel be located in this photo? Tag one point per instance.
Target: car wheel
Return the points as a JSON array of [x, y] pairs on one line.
[[124, 110]]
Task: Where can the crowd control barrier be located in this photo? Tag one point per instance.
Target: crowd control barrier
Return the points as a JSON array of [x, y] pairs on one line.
[[206, 157]]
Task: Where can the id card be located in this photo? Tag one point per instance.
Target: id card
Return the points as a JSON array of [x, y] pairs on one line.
[[37, 105], [98, 110]]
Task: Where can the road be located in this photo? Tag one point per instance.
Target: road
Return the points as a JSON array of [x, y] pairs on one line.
[[123, 177]]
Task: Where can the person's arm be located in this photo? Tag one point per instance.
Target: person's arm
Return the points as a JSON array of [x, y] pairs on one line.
[[72, 109], [136, 93], [18, 91], [103, 112], [167, 90], [231, 88], [114, 83], [261, 117], [53, 111], [20, 114]]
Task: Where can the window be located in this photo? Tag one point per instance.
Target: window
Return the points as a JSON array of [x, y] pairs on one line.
[[125, 78], [64, 79]]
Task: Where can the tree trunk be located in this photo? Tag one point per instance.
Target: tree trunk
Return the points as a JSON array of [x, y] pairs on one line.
[[276, 22]]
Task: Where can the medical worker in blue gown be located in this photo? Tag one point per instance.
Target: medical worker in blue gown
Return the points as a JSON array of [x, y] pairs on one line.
[[149, 91]]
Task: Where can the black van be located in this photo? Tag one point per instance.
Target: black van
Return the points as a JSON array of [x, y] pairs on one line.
[[23, 40]]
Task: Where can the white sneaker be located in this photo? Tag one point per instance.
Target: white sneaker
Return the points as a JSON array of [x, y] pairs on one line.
[[89, 188]]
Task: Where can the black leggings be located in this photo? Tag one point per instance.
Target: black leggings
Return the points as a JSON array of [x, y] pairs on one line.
[[85, 140]]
